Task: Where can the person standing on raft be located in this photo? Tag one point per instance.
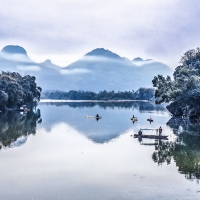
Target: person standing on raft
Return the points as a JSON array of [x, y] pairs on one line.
[[160, 131], [140, 132]]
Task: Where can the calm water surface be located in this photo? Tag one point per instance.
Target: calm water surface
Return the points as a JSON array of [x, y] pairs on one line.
[[58, 154]]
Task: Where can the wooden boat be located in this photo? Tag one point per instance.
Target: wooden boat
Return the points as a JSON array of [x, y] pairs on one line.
[[149, 144], [164, 137], [93, 117], [134, 119]]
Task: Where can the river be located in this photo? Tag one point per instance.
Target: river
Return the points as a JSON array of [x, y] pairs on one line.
[[55, 153]]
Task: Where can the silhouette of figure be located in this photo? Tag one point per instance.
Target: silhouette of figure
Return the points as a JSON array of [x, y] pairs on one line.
[[140, 132], [160, 130]]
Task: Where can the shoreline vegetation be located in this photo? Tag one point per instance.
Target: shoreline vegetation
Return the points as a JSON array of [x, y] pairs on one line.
[[17, 91], [183, 92], [141, 94]]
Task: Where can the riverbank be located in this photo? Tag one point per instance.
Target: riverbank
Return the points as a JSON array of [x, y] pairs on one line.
[[61, 101]]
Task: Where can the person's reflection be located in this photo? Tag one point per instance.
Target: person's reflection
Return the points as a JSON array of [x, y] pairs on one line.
[[140, 139]]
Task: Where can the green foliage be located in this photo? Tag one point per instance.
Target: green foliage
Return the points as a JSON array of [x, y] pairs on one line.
[[17, 90], [144, 94], [186, 81], [141, 94]]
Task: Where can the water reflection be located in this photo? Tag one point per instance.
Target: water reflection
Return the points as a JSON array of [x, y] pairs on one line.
[[72, 156], [163, 152], [185, 150], [142, 106], [180, 126], [116, 117], [15, 127]]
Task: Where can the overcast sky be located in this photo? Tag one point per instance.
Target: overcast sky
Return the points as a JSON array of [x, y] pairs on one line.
[[64, 30]]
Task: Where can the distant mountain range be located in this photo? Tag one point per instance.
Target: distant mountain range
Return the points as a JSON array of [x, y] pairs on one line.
[[97, 70]]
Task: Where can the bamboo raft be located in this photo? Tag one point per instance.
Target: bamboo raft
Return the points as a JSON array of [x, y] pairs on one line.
[[164, 137]]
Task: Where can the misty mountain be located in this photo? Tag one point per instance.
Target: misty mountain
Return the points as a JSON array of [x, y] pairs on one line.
[[96, 71], [101, 52], [15, 53], [138, 59], [101, 69], [15, 58], [47, 63], [12, 49]]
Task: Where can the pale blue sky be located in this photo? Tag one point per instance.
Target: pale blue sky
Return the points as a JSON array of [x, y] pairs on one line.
[[64, 30]]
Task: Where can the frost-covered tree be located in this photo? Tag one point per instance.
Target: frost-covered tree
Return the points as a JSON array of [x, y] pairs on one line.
[[167, 90], [184, 89], [17, 90]]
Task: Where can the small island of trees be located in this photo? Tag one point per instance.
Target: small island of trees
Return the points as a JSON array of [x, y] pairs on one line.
[[17, 90]]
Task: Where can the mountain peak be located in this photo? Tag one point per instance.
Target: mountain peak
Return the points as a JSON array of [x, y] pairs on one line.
[[48, 61], [138, 59], [12, 49], [103, 53]]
